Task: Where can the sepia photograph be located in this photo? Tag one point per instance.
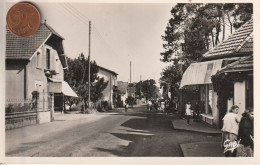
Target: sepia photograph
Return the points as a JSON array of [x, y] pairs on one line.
[[128, 79]]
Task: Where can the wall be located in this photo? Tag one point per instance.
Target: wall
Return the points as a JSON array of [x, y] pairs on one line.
[[15, 84], [108, 91], [58, 66], [230, 103], [240, 96]]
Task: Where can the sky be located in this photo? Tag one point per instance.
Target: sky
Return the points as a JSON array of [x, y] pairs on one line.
[[120, 33]]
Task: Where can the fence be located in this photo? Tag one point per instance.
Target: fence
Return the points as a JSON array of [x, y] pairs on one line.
[[19, 113]]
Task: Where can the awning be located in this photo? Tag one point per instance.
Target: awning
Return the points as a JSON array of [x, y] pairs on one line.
[[200, 73], [60, 86]]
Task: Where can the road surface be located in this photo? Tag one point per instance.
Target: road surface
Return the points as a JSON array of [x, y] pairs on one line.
[[132, 134]]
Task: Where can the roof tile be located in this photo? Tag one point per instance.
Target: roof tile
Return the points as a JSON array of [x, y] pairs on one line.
[[241, 38], [24, 47]]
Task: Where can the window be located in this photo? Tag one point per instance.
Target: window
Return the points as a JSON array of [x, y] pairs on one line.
[[38, 60], [206, 92], [48, 58]]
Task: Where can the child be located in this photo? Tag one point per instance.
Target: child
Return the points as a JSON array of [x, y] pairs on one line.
[[188, 112]]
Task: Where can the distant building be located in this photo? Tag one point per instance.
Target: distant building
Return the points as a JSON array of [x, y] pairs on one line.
[[111, 77], [123, 92]]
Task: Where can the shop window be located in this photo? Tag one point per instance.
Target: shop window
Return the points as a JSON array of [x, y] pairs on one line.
[[206, 94], [209, 106]]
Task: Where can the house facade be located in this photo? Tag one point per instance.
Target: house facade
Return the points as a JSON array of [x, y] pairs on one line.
[[198, 75], [111, 77], [35, 71], [123, 91]]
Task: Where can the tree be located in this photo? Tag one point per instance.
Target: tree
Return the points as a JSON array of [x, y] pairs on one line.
[[192, 30], [198, 27], [130, 100], [149, 89], [77, 77], [170, 80]]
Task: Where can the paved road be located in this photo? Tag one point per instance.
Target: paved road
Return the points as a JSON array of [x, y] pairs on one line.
[[135, 133]]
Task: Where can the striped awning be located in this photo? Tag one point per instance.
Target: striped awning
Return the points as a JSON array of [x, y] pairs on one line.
[[60, 86], [200, 73]]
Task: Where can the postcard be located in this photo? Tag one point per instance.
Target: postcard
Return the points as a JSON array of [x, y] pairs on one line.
[[129, 82]]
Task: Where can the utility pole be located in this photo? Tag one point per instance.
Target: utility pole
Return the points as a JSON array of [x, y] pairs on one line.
[[89, 65], [141, 86], [130, 72]]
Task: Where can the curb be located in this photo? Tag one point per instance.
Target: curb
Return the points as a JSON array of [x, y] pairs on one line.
[[197, 131]]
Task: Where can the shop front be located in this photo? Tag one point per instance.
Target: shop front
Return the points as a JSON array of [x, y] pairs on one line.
[[198, 76]]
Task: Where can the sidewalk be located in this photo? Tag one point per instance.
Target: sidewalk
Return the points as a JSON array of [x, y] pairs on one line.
[[181, 124], [199, 149], [202, 149]]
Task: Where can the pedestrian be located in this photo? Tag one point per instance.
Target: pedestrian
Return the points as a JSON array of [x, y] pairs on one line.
[[126, 107], [149, 105], [245, 134], [196, 113], [230, 131], [188, 112]]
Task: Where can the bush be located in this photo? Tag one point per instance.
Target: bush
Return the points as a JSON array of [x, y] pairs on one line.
[[19, 107]]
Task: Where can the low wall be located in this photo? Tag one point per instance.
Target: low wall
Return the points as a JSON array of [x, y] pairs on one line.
[[207, 119], [44, 117], [17, 120]]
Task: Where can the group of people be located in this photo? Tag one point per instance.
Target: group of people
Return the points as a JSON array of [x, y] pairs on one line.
[[156, 104], [239, 132]]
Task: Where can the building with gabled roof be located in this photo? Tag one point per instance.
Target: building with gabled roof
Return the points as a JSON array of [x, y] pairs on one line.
[[111, 77], [35, 71], [235, 54]]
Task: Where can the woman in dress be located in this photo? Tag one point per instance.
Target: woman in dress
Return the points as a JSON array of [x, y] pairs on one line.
[[230, 129], [245, 134], [188, 112]]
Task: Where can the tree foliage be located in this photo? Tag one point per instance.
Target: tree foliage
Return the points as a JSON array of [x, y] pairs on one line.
[[192, 30], [170, 80], [77, 77], [149, 89]]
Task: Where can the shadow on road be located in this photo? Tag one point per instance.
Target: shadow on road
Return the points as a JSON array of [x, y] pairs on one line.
[[152, 134], [148, 135]]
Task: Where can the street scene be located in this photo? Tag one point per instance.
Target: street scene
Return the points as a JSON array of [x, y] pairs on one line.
[[136, 133], [129, 80]]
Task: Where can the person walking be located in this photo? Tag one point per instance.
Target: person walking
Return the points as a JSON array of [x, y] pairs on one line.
[[245, 134], [230, 130], [126, 107], [196, 113], [149, 105], [188, 112]]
